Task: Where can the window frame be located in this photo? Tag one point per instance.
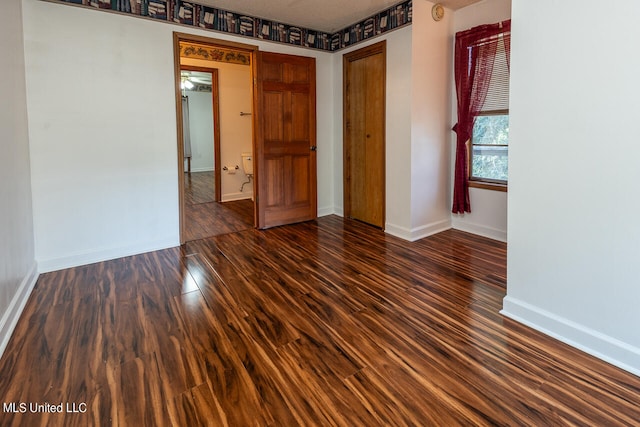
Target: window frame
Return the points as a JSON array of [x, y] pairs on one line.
[[479, 182]]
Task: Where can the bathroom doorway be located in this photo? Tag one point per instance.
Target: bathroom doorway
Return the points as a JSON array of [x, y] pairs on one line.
[[215, 130], [201, 134], [205, 214]]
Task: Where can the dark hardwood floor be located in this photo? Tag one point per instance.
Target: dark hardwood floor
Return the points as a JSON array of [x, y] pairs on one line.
[[204, 217], [329, 322], [199, 187]]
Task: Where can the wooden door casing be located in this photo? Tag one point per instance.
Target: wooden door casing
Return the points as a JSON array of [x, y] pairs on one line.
[[286, 139], [364, 134]]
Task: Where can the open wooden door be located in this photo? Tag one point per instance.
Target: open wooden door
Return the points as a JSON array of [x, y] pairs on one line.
[[285, 149]]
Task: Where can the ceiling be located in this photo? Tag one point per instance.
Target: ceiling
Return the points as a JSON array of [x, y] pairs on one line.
[[199, 77], [323, 15]]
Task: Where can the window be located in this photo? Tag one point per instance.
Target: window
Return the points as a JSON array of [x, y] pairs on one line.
[[488, 160], [482, 132], [489, 144]]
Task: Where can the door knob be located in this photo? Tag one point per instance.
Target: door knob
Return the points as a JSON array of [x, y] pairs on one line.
[[313, 148]]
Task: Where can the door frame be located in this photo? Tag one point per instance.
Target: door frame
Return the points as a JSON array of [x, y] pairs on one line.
[[249, 49], [215, 94], [347, 58]]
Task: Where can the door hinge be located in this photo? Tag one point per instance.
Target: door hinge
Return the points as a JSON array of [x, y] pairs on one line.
[[313, 148]]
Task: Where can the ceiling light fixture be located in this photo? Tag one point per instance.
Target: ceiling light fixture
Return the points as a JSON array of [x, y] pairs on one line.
[[186, 84]]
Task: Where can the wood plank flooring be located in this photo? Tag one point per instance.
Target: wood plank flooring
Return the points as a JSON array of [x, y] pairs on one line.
[[199, 187], [204, 217], [325, 323], [214, 219]]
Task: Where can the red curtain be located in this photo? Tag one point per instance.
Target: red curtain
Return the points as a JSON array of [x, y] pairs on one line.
[[475, 53]]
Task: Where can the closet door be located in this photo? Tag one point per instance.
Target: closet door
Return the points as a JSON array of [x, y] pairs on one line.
[[364, 134]]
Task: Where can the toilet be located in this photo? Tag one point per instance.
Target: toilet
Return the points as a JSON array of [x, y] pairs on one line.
[[247, 164]]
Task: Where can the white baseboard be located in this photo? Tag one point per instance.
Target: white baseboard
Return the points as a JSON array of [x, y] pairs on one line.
[[231, 197], [99, 255], [202, 170], [16, 306], [417, 233], [481, 230], [595, 343], [326, 211]]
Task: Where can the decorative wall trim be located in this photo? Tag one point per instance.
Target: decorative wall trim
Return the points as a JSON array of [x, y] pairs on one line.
[[597, 344], [197, 87], [16, 306], [216, 54], [389, 19], [209, 18]]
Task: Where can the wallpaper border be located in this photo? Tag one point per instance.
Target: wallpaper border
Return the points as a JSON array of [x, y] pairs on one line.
[[195, 15]]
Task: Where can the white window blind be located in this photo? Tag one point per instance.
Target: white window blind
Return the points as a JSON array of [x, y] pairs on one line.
[[498, 93]]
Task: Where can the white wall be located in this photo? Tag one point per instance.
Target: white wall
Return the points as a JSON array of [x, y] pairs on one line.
[[235, 131], [398, 132], [574, 180], [104, 163], [201, 130], [431, 78], [488, 215], [17, 262]]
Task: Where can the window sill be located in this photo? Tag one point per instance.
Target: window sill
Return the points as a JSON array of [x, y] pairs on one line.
[[488, 185]]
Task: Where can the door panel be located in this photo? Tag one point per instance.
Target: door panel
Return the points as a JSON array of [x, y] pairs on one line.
[[364, 133], [271, 71], [299, 73], [300, 168], [300, 116], [274, 121], [274, 169], [285, 139]]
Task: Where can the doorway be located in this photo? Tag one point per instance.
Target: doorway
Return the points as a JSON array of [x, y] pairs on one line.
[[201, 133], [364, 100], [282, 123], [205, 215], [215, 194]]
